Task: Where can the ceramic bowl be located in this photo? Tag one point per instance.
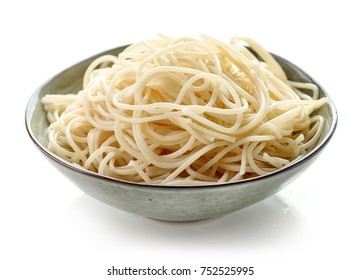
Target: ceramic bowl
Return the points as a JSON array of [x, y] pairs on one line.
[[161, 202]]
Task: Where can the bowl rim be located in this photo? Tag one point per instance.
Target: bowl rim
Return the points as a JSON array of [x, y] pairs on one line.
[[319, 146]]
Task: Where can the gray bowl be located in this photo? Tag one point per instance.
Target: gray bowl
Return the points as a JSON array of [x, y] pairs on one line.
[[161, 202]]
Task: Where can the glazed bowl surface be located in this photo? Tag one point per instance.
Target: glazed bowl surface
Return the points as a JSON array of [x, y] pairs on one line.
[[170, 203]]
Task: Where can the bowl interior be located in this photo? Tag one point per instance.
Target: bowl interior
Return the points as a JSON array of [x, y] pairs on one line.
[[70, 81]]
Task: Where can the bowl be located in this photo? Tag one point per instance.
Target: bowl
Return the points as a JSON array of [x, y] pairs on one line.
[[170, 203]]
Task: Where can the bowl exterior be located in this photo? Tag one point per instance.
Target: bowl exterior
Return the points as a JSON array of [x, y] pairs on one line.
[[161, 202]]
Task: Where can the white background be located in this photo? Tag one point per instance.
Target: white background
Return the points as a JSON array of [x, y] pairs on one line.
[[51, 230]]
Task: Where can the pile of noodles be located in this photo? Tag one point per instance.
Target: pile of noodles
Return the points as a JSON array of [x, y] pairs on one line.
[[185, 111]]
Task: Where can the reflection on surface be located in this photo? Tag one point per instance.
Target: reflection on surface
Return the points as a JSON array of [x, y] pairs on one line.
[[269, 221]]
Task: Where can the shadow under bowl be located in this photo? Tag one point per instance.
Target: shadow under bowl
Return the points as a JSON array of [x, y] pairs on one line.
[[183, 203]]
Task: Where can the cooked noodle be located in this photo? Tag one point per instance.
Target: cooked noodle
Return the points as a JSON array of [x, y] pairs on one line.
[[185, 111]]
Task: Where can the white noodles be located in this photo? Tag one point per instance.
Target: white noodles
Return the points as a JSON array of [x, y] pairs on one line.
[[185, 112]]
